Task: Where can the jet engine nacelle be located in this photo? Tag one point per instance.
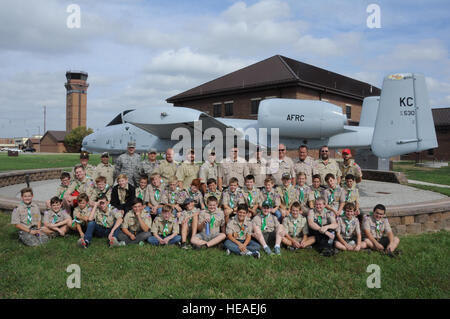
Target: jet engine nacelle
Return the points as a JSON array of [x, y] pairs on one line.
[[301, 118]]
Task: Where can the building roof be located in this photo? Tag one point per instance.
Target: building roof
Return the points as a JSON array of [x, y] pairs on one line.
[[57, 135], [441, 116], [279, 71]]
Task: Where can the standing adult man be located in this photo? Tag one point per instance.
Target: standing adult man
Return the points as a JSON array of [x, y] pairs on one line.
[[167, 167], [285, 165], [209, 169], [348, 166], [128, 164], [305, 164], [258, 168], [88, 168], [187, 171], [233, 166], [105, 169], [326, 165], [149, 164]]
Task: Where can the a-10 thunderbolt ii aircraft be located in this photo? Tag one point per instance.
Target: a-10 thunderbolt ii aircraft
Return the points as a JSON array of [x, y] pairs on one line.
[[397, 122]]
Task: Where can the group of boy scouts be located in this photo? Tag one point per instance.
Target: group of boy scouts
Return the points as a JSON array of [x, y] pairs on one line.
[[240, 205]]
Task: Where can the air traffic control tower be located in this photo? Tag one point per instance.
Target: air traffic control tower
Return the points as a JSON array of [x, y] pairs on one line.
[[76, 99]]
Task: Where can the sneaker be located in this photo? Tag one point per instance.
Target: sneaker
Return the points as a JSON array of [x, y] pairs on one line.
[[292, 248], [326, 252], [268, 251], [122, 243], [82, 243], [228, 252], [389, 253], [256, 254], [277, 251], [398, 252], [114, 243], [141, 243], [184, 246]]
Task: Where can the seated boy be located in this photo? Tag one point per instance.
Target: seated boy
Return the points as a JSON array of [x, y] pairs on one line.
[[302, 194], [104, 221], [209, 226], [252, 195], [351, 194], [322, 225], [296, 229], [142, 189], [81, 213], [267, 229], [315, 192], [231, 198], [287, 193], [269, 194], [334, 195], [136, 225], [239, 234], [56, 220], [100, 187], [123, 194], [348, 234], [155, 192], [165, 229], [212, 191], [186, 217], [194, 193], [174, 196], [379, 235], [27, 218], [61, 190]]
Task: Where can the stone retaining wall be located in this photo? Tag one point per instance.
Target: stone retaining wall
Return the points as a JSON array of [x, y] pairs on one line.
[[19, 177], [385, 176]]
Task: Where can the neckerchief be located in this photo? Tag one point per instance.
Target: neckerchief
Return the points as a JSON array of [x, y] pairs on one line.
[[166, 228], [286, 197], [378, 227], [232, 200], [250, 198], [157, 195], [331, 197], [264, 222], [349, 194], [301, 197], [29, 215], [140, 194], [295, 227], [316, 194], [62, 194], [172, 197], [269, 199], [241, 227], [55, 218], [104, 221], [347, 225]]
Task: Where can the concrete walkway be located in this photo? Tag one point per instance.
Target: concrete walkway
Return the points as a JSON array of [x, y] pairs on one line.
[[427, 184]]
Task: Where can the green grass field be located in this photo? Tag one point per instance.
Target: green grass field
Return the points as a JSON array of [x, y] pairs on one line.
[[423, 271], [425, 174]]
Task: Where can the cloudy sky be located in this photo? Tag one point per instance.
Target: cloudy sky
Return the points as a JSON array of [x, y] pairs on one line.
[[138, 53]]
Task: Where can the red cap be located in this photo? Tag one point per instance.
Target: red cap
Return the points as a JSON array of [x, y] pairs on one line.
[[346, 150]]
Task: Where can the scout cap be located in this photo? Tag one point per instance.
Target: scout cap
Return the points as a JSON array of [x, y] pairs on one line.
[[266, 203], [84, 155], [152, 150], [105, 154], [131, 144], [187, 201], [286, 176], [346, 151]]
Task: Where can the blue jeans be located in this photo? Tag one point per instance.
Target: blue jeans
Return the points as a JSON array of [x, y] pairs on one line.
[[278, 215], [252, 246], [99, 231], [152, 240]]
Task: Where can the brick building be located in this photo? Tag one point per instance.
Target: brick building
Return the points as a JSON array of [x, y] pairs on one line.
[[237, 94], [53, 142]]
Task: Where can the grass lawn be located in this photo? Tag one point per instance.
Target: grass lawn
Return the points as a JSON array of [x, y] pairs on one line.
[[423, 271], [425, 174]]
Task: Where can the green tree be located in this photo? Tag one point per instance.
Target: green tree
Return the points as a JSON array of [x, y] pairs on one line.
[[73, 140]]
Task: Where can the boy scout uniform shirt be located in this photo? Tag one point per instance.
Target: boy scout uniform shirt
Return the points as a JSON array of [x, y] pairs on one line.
[[323, 218], [251, 197], [208, 170], [89, 169], [314, 194], [307, 166], [159, 226], [271, 196], [105, 171], [85, 212], [271, 225], [234, 226], [142, 194], [379, 228], [219, 220], [217, 194], [155, 195], [258, 168], [20, 215], [167, 170], [61, 191], [351, 195], [351, 168], [122, 194], [324, 169], [131, 222], [187, 172], [108, 218], [174, 197], [233, 199], [334, 197], [197, 197], [348, 228], [230, 168], [296, 227], [51, 217], [188, 214], [283, 166], [288, 195], [84, 186], [302, 194], [95, 192], [147, 168]]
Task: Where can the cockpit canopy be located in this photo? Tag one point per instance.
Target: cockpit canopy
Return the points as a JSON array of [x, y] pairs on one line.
[[118, 119]]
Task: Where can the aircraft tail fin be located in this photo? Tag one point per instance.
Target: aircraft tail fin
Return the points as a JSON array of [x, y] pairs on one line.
[[404, 122], [369, 111]]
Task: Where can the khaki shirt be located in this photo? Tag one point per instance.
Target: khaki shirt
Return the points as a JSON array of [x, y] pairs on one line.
[[277, 169], [177, 196], [84, 186], [254, 199], [94, 192], [306, 191], [296, 227], [89, 169], [272, 223], [288, 195], [274, 197], [379, 228], [188, 214], [50, 217], [351, 168], [142, 194], [61, 191], [242, 230], [187, 172], [229, 168], [307, 166], [155, 195], [315, 194], [324, 169], [197, 197], [351, 195], [326, 217], [78, 212], [159, 225], [207, 171], [107, 219], [334, 197], [233, 199], [259, 170], [348, 228], [147, 168], [217, 194], [105, 171], [131, 222], [166, 170], [218, 222], [122, 194], [20, 215]]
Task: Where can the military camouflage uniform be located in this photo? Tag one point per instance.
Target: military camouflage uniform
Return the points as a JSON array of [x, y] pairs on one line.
[[148, 168], [128, 165]]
